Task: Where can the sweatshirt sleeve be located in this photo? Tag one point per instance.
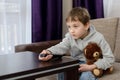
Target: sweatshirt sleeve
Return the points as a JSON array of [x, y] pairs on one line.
[[62, 47], [108, 57]]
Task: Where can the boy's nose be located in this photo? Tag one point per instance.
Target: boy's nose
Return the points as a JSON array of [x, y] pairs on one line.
[[71, 30]]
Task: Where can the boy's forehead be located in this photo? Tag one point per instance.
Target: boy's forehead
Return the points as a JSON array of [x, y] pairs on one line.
[[72, 22], [72, 18]]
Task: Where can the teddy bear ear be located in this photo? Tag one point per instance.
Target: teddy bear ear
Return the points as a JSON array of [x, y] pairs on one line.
[[96, 54]]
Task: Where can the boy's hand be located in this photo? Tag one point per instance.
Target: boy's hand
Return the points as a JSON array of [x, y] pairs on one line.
[[86, 67], [47, 57]]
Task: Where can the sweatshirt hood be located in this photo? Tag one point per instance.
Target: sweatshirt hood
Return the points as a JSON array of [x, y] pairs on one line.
[[92, 31]]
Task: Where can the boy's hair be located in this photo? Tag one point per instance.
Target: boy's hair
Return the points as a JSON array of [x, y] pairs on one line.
[[80, 14]]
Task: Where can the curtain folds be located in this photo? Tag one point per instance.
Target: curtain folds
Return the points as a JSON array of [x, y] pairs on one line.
[[95, 7], [46, 20]]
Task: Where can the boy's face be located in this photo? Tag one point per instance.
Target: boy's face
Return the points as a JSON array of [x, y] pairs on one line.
[[77, 29]]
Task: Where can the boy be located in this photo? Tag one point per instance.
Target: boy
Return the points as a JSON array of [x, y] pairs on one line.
[[79, 35]]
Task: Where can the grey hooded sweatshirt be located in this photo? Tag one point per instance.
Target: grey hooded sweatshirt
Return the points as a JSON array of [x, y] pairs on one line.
[[76, 47]]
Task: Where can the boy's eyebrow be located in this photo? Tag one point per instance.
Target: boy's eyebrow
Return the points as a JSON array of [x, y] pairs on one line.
[[75, 23]]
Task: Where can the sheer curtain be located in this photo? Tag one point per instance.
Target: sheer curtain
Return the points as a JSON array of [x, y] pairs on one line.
[[111, 8], [15, 24]]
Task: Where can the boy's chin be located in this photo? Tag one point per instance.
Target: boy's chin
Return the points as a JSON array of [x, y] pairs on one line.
[[76, 38]]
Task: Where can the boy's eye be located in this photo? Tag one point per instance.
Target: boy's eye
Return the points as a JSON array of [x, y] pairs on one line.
[[75, 26]]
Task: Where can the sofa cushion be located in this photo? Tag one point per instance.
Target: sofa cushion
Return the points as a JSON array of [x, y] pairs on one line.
[[115, 75], [117, 47], [108, 27]]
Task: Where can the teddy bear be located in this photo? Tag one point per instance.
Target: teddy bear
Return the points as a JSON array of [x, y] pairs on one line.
[[92, 53]]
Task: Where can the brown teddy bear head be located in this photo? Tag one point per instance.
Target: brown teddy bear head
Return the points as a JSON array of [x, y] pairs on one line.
[[92, 52]]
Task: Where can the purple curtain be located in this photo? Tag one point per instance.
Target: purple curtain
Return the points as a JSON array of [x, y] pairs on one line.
[[46, 20], [95, 7]]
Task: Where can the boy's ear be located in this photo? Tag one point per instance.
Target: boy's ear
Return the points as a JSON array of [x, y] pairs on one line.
[[87, 25]]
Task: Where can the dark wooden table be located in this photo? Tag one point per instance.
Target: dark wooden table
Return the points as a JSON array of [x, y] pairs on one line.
[[27, 66]]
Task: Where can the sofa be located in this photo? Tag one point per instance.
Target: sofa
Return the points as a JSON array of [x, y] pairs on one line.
[[109, 27]]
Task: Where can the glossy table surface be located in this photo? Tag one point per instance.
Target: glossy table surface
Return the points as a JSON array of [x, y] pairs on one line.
[[12, 65]]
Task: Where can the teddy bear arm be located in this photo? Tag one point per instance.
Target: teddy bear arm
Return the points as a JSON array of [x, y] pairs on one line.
[[89, 62]]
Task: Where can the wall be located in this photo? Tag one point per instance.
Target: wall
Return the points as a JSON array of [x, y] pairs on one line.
[[67, 6]]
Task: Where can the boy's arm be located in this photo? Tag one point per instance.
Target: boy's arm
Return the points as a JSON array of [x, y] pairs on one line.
[[62, 47], [108, 57]]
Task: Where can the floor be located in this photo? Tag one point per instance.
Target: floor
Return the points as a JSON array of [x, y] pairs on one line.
[[51, 77]]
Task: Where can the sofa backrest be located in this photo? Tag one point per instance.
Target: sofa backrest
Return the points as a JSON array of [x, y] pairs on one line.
[[108, 27], [117, 45]]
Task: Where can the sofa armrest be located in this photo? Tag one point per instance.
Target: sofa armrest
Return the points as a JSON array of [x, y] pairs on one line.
[[36, 47]]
